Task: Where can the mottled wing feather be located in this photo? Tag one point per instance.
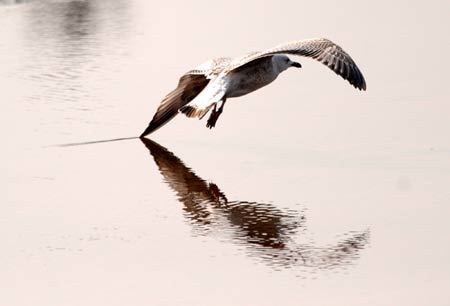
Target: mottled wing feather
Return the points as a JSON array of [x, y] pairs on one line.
[[189, 86], [212, 68], [320, 49]]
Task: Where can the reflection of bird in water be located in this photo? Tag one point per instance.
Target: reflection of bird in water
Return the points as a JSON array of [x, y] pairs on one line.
[[263, 228]]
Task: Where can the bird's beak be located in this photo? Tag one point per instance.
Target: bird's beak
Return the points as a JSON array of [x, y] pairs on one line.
[[297, 65]]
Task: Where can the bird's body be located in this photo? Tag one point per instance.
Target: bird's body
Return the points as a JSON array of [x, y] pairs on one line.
[[216, 80], [250, 78]]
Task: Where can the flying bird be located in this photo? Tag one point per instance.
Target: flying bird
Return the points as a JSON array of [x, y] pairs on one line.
[[216, 80]]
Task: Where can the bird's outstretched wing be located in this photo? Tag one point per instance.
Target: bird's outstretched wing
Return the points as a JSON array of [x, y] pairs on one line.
[[320, 49], [189, 86]]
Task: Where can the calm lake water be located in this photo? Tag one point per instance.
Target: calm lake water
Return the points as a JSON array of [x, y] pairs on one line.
[[307, 192]]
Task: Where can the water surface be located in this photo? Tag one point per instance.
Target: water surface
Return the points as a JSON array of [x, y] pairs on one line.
[[306, 192]]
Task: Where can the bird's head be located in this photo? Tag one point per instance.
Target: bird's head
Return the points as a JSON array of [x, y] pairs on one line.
[[283, 62]]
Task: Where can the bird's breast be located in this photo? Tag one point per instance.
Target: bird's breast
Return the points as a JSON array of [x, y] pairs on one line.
[[249, 79]]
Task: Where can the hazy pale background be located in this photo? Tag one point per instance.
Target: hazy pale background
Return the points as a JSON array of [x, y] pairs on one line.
[[99, 225]]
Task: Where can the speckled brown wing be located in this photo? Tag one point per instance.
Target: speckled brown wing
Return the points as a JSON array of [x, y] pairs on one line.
[[189, 86], [320, 49]]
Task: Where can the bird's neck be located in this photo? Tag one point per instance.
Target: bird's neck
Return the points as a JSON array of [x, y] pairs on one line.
[[277, 66]]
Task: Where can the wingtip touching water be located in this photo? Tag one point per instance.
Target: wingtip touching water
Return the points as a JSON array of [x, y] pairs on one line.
[[216, 80], [150, 129]]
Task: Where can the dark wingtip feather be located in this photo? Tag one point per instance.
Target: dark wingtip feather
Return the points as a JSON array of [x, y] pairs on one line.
[[151, 128], [354, 77], [363, 85], [360, 82], [158, 121]]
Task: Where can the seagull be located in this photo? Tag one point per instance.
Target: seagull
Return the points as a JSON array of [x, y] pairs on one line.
[[216, 80]]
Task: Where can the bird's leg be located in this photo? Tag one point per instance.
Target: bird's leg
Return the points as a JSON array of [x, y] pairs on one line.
[[221, 107], [214, 116]]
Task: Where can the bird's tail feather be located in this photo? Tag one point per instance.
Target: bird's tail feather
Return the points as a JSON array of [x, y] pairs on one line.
[[199, 107], [194, 112]]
